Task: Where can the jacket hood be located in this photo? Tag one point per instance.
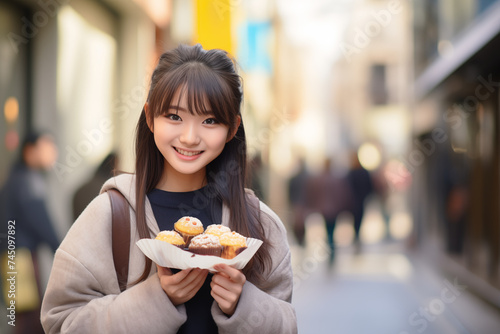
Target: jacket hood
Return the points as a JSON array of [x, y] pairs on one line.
[[125, 183]]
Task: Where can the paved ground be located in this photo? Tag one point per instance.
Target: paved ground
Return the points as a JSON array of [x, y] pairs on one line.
[[382, 290]]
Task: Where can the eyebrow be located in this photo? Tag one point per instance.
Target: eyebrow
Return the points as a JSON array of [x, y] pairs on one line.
[[185, 110], [177, 108]]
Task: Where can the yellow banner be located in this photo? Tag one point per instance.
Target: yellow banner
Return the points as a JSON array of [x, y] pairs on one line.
[[213, 23]]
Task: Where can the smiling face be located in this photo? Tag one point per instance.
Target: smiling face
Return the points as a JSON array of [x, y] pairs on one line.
[[188, 142]]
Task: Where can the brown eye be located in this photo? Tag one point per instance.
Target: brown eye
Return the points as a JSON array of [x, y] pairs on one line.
[[173, 117], [210, 121]]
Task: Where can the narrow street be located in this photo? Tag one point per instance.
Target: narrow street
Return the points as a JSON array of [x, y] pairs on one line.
[[382, 289]]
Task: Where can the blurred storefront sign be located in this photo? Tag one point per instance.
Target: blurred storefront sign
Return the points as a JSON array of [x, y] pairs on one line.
[[254, 47], [213, 23]]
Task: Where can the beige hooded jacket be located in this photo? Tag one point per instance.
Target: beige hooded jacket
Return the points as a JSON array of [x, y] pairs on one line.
[[83, 296]]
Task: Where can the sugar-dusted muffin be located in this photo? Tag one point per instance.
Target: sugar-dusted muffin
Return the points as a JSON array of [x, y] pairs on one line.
[[232, 244], [188, 227], [205, 244], [217, 229], [171, 237]]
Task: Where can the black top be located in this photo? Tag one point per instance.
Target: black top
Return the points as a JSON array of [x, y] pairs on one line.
[[168, 207]]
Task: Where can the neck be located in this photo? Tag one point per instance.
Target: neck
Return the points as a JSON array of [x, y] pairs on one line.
[[174, 181]]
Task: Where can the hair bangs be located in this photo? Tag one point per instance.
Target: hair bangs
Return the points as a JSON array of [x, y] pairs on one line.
[[207, 93], [162, 96]]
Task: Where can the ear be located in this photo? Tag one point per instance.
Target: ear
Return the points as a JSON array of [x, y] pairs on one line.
[[146, 112], [231, 135]]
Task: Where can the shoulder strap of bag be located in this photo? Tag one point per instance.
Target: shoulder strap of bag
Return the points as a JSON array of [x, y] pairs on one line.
[[120, 236]]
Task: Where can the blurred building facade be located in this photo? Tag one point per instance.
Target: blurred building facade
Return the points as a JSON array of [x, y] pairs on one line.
[[80, 70], [370, 81], [455, 152]]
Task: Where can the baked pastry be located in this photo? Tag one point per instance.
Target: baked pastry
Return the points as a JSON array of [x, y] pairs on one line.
[[232, 243], [188, 227], [205, 244], [171, 237], [217, 229]]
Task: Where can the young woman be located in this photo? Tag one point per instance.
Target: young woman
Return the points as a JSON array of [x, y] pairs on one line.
[[191, 159]]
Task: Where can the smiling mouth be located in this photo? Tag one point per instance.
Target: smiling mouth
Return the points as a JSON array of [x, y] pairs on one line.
[[187, 153]]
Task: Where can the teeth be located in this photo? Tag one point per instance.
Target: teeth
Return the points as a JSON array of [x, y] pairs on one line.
[[187, 153]]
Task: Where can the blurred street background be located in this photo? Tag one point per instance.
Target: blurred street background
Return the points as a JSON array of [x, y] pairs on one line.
[[393, 103]]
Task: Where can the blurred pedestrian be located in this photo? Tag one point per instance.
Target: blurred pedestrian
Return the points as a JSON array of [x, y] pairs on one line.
[[28, 224], [329, 194], [90, 189], [455, 174], [297, 186], [361, 185]]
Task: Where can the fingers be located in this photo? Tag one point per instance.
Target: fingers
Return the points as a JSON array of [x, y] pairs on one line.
[[180, 277], [163, 271], [186, 278], [224, 286], [196, 284], [227, 286], [229, 272], [182, 286]]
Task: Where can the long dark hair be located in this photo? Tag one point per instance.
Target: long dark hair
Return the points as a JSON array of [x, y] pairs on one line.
[[210, 82]]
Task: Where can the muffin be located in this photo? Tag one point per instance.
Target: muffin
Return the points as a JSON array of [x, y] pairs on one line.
[[171, 237], [205, 244], [232, 244], [217, 229], [188, 227]]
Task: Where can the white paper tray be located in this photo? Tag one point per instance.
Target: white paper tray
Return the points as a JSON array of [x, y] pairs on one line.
[[170, 256]]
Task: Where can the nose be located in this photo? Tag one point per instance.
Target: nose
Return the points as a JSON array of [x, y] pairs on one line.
[[189, 135]]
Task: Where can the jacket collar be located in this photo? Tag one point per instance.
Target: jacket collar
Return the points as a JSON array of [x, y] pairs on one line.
[[125, 183]]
